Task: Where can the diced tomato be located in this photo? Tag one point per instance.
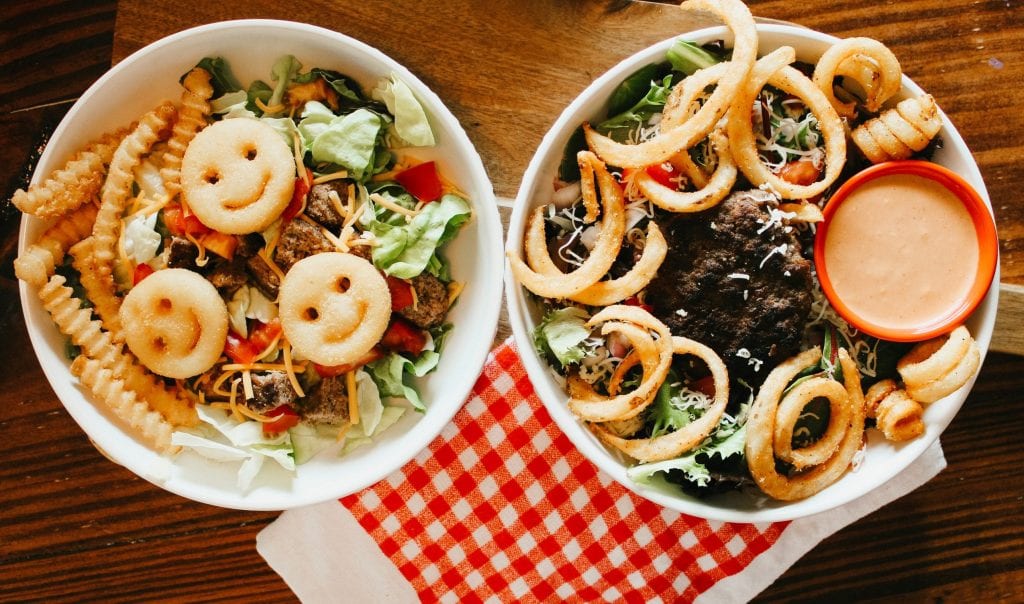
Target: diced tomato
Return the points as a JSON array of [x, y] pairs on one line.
[[284, 417], [298, 196], [262, 334], [180, 224], [664, 173], [801, 172], [247, 350], [239, 349], [705, 385], [141, 272], [404, 337], [329, 371], [401, 293], [635, 301], [421, 181]]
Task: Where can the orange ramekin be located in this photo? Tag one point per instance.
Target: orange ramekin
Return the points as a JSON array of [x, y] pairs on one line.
[[984, 227]]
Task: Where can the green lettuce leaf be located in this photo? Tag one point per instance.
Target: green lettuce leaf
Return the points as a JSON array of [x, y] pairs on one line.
[[561, 334], [283, 72], [394, 373], [349, 141], [405, 250], [623, 126], [411, 124]]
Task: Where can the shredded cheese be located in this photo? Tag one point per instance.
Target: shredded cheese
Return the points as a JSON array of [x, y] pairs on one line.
[[343, 431], [247, 384], [382, 201], [335, 200], [261, 367], [454, 291], [201, 259], [415, 295], [286, 349], [353, 394], [329, 177], [268, 110], [300, 166]]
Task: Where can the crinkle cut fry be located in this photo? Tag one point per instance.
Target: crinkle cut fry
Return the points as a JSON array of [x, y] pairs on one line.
[[124, 403], [87, 333], [71, 186], [38, 261], [83, 260], [153, 126], [192, 116]]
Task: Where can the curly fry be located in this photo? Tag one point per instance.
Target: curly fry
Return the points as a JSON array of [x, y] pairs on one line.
[[195, 108], [68, 188], [39, 260], [154, 126], [124, 403]]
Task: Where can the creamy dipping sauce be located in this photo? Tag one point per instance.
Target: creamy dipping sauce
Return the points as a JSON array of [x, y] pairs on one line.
[[901, 251]]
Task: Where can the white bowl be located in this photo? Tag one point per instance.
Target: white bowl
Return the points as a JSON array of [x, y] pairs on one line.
[[149, 76], [883, 461]]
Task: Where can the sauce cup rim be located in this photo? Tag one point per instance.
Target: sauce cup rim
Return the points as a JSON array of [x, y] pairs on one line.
[[984, 227]]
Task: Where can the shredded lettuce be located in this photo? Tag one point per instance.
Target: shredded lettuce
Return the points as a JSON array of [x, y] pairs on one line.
[[223, 438], [404, 250], [561, 335], [411, 124]]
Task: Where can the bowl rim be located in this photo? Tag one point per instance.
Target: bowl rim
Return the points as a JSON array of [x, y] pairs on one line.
[[984, 228], [519, 307], [485, 318]]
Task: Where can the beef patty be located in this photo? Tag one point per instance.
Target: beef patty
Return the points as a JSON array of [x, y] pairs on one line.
[[735, 285]]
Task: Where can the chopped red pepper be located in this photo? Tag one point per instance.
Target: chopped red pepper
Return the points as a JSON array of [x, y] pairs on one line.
[[141, 272], [298, 196], [180, 224], [421, 181], [401, 293], [285, 417], [404, 337]]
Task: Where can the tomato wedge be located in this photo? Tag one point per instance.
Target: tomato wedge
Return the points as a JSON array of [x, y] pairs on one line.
[[664, 173], [404, 337], [401, 293], [246, 350], [421, 181], [141, 272], [284, 417], [298, 196]]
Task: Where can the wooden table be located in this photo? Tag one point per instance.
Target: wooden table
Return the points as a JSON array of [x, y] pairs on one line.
[[75, 526]]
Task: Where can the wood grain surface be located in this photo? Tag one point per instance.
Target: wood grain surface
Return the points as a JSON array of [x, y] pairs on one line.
[[76, 527]]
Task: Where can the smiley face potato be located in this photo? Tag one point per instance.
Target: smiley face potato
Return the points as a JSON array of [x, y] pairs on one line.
[[334, 307], [237, 175], [175, 322]]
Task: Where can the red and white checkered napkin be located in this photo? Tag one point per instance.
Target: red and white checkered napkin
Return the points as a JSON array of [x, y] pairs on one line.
[[502, 507]]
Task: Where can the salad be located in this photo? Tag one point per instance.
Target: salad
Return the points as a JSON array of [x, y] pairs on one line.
[[709, 173], [354, 187]]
